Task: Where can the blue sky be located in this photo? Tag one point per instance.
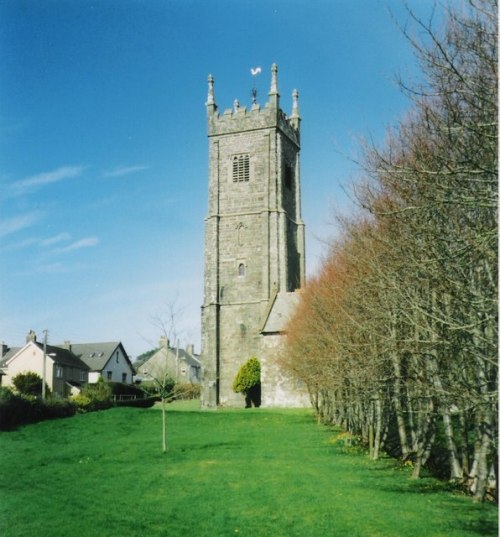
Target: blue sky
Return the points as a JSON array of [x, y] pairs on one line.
[[103, 147]]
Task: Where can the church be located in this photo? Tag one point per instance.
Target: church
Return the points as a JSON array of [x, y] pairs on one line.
[[254, 246]]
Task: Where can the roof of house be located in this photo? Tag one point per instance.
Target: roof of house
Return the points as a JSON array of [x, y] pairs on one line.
[[60, 355], [8, 355], [97, 355], [280, 311], [190, 359]]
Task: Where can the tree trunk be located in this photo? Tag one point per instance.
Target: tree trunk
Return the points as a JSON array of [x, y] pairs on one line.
[[164, 423], [481, 468], [403, 439], [456, 471], [425, 435], [377, 444]]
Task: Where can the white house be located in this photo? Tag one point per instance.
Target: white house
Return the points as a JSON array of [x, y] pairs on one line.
[[108, 360], [64, 372]]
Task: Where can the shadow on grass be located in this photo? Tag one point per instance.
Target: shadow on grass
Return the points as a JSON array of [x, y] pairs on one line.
[[479, 519]]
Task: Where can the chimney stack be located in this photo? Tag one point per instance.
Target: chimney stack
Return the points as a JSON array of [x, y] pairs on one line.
[[31, 336]]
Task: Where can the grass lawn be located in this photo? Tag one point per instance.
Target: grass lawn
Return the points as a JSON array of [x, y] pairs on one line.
[[248, 473]]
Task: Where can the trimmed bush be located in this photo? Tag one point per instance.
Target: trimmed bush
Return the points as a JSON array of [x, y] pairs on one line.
[[18, 409], [186, 391], [29, 383], [119, 388], [94, 397], [145, 402], [247, 381]]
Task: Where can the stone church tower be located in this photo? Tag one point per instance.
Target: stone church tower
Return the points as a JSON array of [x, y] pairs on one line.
[[254, 235]]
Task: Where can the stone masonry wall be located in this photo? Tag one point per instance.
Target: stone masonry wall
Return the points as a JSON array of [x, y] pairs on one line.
[[252, 237]]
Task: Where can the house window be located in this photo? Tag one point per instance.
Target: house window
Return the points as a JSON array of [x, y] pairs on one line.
[[109, 375], [124, 377], [241, 270], [117, 357], [59, 372], [241, 169], [82, 375]]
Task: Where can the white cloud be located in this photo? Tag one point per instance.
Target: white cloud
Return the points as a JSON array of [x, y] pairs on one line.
[[124, 170], [78, 245], [37, 181], [17, 223], [54, 240]]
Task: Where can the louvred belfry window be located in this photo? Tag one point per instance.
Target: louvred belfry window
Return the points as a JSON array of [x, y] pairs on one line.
[[241, 169]]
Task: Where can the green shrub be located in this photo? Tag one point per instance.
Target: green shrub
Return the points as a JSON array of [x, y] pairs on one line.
[[29, 383], [144, 402], [119, 388], [94, 397], [17, 409], [247, 381], [14, 409], [186, 391], [164, 387], [57, 408]]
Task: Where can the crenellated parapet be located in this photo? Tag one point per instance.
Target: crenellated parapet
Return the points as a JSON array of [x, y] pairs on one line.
[[241, 119]]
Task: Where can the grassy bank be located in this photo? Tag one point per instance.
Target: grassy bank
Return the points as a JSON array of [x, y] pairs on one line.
[[255, 473]]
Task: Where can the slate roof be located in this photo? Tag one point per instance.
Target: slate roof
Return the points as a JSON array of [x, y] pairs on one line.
[[190, 359], [97, 355], [60, 355], [280, 311], [8, 355]]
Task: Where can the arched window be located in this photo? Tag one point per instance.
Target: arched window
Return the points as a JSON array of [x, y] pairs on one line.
[[241, 270], [239, 232]]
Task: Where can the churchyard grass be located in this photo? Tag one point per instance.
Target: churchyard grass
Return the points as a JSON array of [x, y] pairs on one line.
[[245, 473]]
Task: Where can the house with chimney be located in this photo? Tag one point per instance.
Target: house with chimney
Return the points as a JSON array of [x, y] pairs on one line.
[[108, 360], [69, 365], [182, 365], [64, 372]]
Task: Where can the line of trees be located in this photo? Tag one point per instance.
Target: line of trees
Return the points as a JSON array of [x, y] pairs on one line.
[[396, 337]]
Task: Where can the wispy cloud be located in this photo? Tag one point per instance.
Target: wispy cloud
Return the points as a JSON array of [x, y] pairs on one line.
[[56, 239], [78, 245], [35, 182], [124, 170], [17, 223]]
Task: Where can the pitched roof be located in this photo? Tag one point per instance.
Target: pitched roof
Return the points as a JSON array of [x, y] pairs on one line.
[[59, 355], [280, 311], [190, 359], [8, 355], [63, 356], [97, 355]]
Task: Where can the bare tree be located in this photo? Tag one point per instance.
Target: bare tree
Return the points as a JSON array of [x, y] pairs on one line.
[[401, 323]]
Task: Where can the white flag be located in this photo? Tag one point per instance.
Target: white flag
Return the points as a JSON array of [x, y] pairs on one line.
[[256, 71]]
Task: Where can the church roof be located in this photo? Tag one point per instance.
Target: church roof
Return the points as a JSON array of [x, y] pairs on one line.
[[282, 308]]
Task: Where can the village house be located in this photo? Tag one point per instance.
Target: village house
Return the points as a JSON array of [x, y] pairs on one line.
[[108, 360], [181, 365], [64, 372], [68, 366]]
